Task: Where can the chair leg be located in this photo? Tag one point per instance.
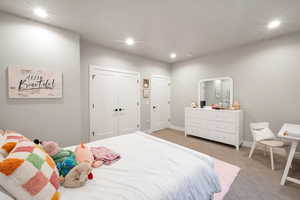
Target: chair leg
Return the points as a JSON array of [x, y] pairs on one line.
[[272, 158], [252, 149]]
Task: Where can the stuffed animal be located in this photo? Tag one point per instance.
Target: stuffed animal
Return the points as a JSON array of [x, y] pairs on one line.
[[71, 173], [64, 159], [78, 175], [84, 154]]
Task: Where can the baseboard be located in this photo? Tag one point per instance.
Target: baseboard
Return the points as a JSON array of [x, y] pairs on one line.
[[247, 144], [177, 128]]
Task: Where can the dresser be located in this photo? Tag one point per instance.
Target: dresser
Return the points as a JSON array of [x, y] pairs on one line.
[[225, 126]]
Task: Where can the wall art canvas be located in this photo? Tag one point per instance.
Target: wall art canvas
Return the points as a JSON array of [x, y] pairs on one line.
[[26, 82]]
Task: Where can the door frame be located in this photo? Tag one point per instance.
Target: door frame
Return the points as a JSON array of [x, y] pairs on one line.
[[162, 77], [93, 69]]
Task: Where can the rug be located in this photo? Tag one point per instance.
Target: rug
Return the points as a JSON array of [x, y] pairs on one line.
[[227, 174]]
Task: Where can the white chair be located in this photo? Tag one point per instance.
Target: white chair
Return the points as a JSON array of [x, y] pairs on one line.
[[262, 134]]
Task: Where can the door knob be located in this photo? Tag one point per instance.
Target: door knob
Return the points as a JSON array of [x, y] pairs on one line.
[[116, 110], [154, 107]]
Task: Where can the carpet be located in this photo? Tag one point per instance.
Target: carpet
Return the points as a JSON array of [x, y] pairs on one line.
[[227, 174]]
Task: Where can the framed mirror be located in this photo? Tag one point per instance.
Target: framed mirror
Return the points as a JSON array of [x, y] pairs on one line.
[[216, 91]]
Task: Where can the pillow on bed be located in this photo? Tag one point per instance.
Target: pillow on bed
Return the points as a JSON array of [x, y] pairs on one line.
[[28, 172], [9, 142]]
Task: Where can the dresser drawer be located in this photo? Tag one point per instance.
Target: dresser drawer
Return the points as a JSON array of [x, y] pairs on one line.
[[197, 131], [213, 135], [201, 114], [221, 126], [222, 137], [225, 116]]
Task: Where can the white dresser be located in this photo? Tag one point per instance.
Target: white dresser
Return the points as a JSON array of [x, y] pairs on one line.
[[225, 126]]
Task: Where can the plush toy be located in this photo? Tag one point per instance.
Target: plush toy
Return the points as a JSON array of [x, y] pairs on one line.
[[71, 173], [78, 175], [84, 154], [64, 159]]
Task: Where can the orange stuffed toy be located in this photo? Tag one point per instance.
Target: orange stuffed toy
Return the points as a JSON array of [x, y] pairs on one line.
[[84, 154]]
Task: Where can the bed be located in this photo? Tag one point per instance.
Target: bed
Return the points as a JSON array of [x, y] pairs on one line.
[[150, 168]]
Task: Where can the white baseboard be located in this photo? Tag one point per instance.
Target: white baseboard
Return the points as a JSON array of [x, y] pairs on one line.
[[177, 128], [247, 144]]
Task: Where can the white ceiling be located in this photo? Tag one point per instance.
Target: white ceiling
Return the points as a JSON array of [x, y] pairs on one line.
[[185, 27]]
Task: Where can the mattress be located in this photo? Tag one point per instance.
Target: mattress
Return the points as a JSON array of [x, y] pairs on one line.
[[149, 169]]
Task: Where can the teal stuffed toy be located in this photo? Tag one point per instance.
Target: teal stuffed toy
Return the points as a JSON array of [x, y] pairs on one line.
[[65, 160]]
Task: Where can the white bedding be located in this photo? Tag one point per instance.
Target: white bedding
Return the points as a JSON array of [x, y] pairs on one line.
[[149, 168]]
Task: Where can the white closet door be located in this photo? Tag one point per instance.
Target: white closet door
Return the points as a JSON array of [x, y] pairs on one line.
[[128, 102], [160, 99], [103, 101]]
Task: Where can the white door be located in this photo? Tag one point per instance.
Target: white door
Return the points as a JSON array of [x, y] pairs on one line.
[[114, 103], [160, 102], [128, 101], [103, 102]]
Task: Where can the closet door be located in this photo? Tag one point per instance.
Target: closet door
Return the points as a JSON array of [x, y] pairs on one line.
[[128, 102], [160, 103], [103, 101]]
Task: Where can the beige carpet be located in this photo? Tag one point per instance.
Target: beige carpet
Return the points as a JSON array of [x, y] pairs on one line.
[[256, 180]]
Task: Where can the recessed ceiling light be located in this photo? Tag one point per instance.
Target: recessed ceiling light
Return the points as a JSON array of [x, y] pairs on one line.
[[173, 55], [40, 12], [274, 24], [130, 41]]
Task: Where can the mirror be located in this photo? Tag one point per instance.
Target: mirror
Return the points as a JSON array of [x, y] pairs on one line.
[[216, 91]]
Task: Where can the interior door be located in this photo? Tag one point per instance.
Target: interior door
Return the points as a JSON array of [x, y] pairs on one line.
[[103, 103], [128, 102], [160, 103]]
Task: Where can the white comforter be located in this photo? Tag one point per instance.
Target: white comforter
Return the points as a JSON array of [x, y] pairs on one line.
[[149, 169]]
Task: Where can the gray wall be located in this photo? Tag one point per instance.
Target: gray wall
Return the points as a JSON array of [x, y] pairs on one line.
[[26, 43], [266, 81], [103, 57]]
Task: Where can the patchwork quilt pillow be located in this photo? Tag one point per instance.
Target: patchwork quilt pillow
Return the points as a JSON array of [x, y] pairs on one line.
[[28, 172], [9, 142]]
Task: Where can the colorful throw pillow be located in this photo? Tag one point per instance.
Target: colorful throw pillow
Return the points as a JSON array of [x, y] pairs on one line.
[[9, 142], [28, 172]]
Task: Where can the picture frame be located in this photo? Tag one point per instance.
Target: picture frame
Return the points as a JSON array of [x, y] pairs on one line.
[[28, 82]]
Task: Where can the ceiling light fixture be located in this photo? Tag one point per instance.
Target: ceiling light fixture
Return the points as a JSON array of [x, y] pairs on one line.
[[274, 24], [40, 12], [130, 41], [173, 55]]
